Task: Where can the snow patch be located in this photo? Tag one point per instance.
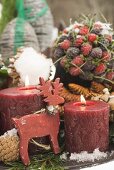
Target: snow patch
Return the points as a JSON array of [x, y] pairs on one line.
[[85, 156], [12, 132]]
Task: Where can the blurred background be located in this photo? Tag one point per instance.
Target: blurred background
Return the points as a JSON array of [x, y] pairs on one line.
[[56, 14], [66, 9], [63, 10]]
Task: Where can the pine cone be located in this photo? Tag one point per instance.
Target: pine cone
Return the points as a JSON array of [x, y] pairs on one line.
[[9, 148], [11, 69], [61, 109], [68, 96], [77, 89], [97, 87], [93, 94]]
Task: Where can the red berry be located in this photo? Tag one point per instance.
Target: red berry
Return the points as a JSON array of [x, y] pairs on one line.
[[109, 37], [65, 31], [86, 49], [97, 26], [106, 56], [63, 61], [74, 71], [92, 37], [100, 69], [110, 75], [84, 30], [79, 41], [76, 26], [65, 44], [78, 60]]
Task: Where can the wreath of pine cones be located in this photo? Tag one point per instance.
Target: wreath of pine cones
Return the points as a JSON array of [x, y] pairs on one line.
[[86, 50]]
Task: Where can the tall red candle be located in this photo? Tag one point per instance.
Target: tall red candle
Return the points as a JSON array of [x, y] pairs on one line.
[[16, 102], [86, 127]]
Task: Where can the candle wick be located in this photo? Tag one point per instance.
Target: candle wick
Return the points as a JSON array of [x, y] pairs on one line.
[[83, 104]]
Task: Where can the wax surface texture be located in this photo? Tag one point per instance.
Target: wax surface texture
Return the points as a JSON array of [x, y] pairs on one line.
[[16, 103], [86, 127]]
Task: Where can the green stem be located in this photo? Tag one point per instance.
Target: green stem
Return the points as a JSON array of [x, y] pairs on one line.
[[103, 45], [58, 60], [97, 77], [78, 66]]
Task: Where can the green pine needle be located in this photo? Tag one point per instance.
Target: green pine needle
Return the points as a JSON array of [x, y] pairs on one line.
[[102, 78], [46, 161]]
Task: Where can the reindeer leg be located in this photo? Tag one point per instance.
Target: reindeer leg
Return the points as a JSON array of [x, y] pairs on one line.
[[55, 144], [24, 151]]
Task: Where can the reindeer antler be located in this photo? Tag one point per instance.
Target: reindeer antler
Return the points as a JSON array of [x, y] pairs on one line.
[[57, 86], [50, 90], [45, 87]]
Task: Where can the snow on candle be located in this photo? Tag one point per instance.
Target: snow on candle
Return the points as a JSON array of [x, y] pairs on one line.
[[34, 65]]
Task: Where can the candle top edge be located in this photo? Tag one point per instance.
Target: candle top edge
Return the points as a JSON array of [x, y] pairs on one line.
[[94, 106], [15, 91]]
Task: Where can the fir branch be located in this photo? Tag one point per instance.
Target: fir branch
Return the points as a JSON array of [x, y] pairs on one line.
[[46, 161], [16, 165]]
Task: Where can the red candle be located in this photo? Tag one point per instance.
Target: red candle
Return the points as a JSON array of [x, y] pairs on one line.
[[86, 126], [16, 102]]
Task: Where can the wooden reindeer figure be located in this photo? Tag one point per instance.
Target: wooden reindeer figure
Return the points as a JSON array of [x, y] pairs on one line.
[[43, 124]]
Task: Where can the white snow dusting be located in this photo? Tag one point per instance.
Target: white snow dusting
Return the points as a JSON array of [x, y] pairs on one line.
[[85, 156], [34, 65], [12, 132]]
